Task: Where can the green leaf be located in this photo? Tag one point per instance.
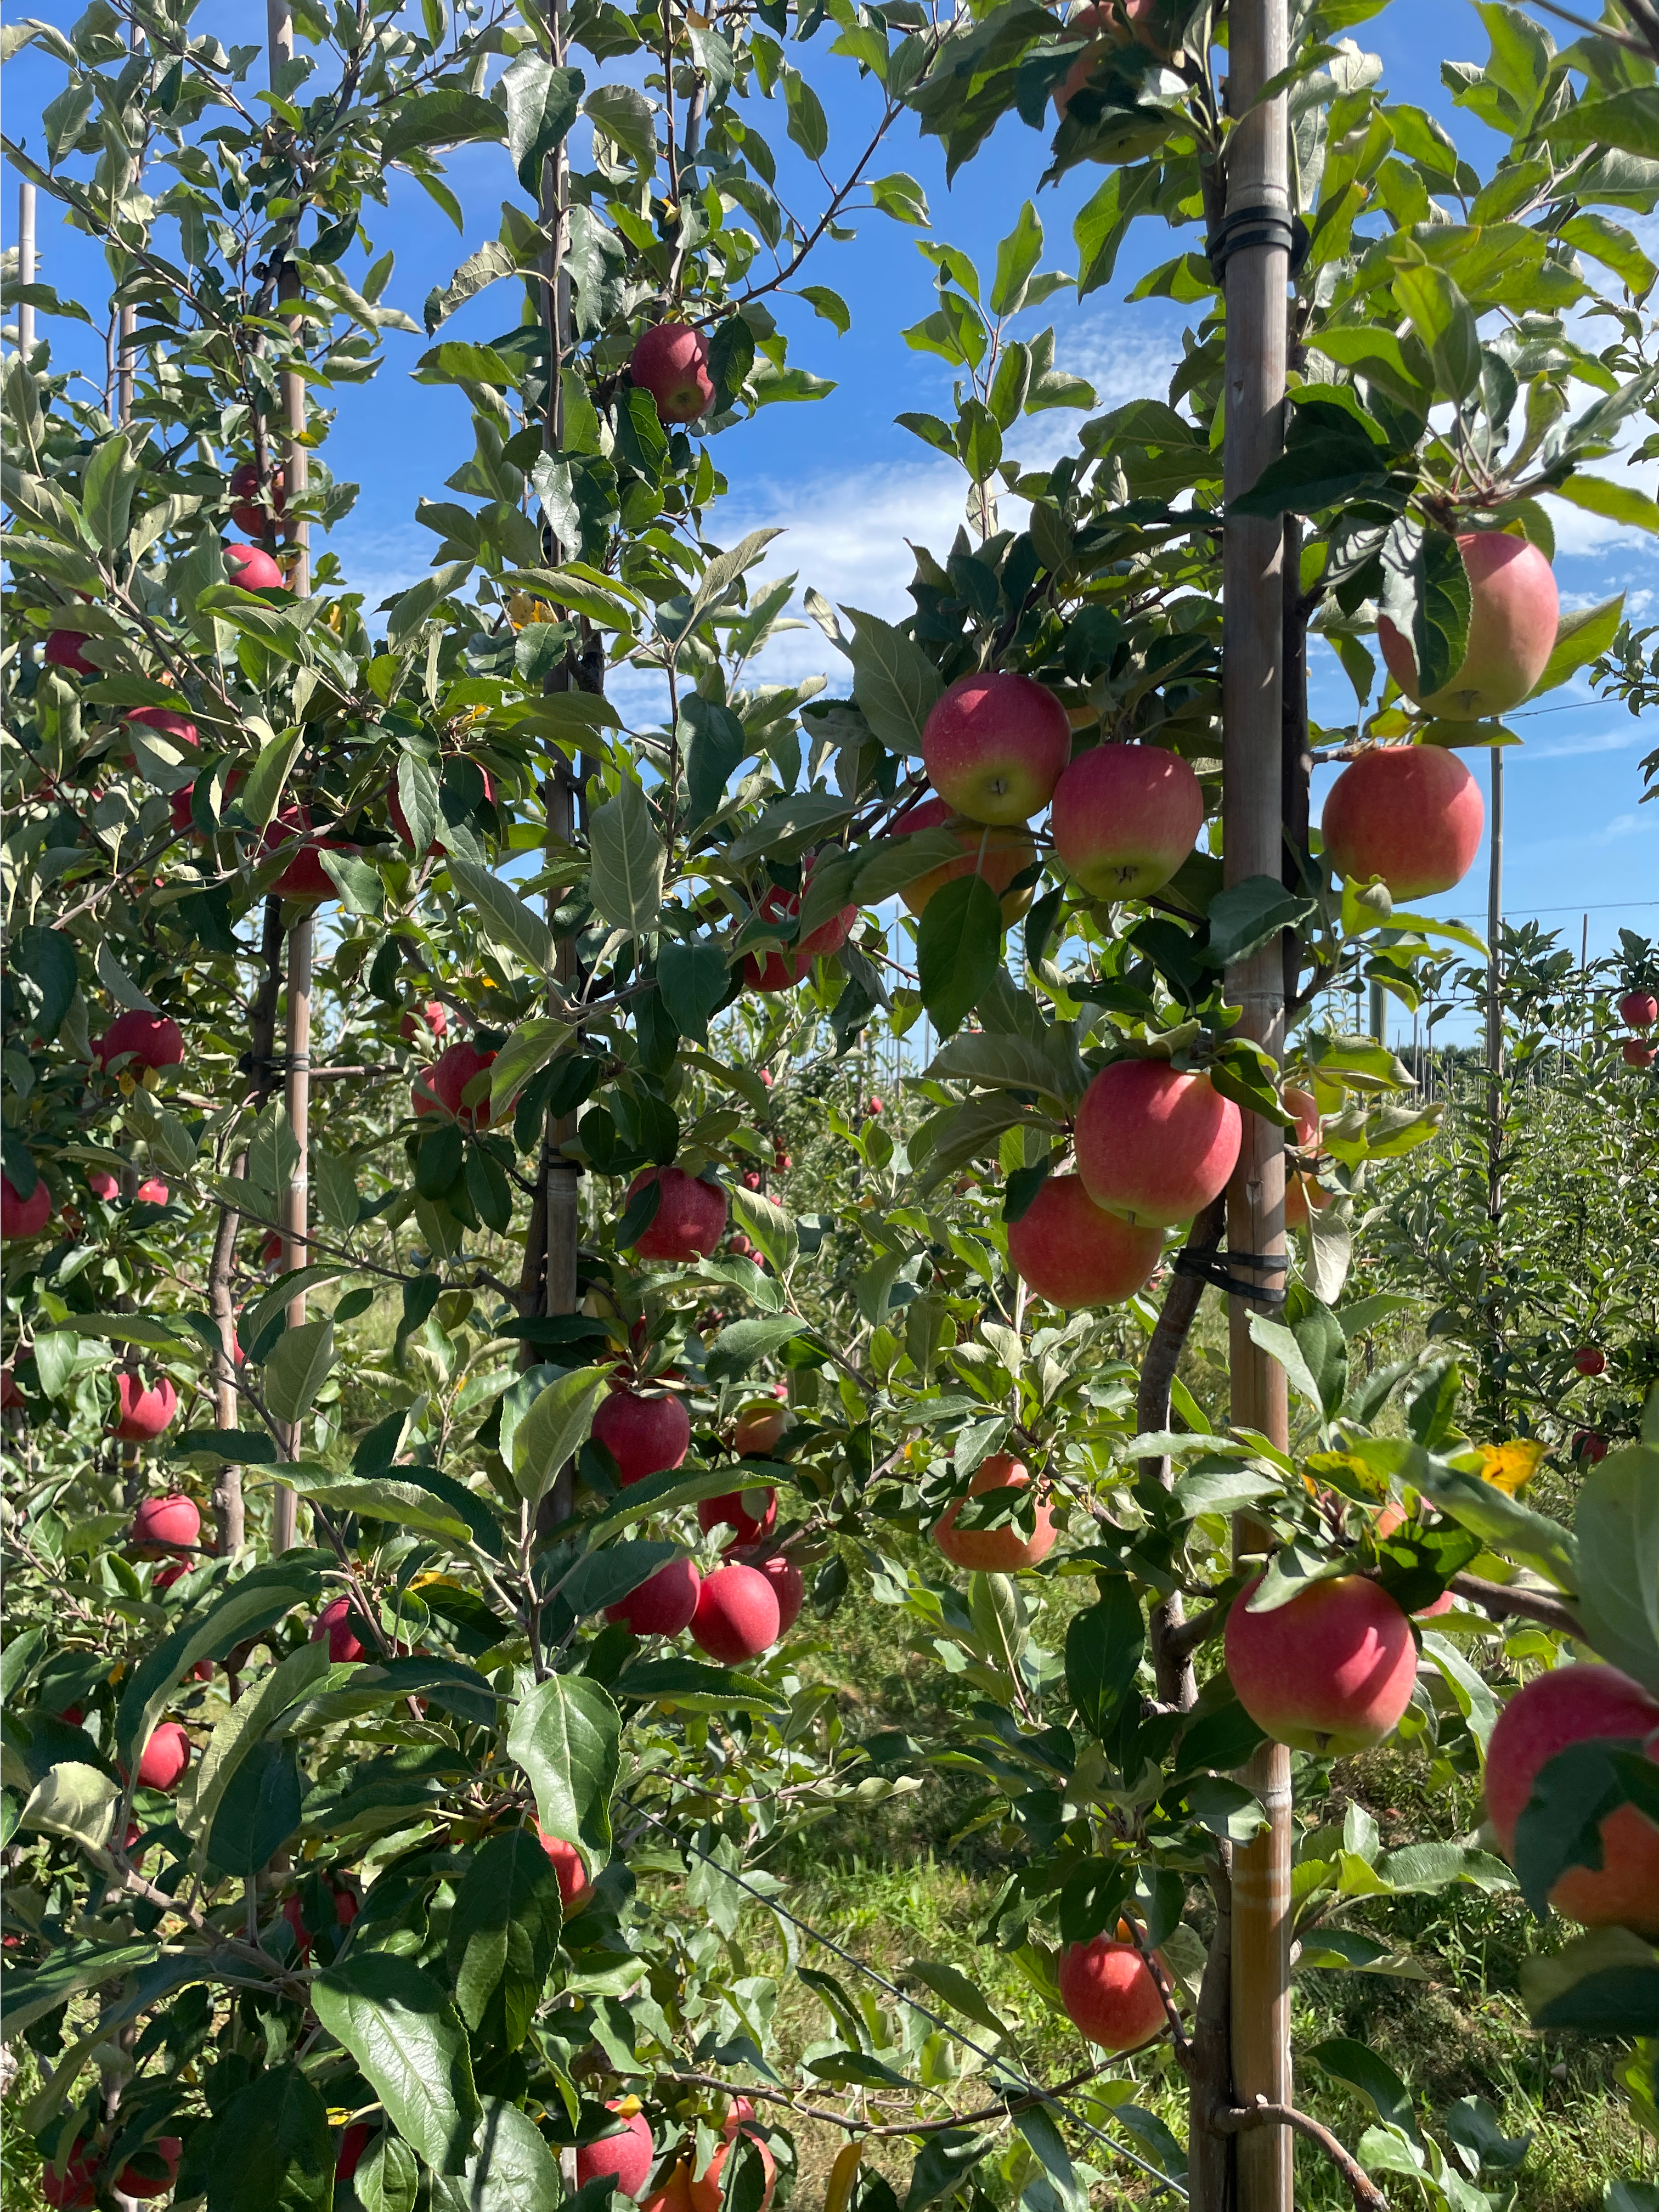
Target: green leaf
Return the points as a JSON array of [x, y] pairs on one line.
[[894, 681], [1530, 1539], [417, 795], [604, 1578], [504, 1937], [1016, 257], [260, 1811], [567, 1736], [47, 958], [75, 1800], [555, 1428], [1444, 323], [257, 1601], [359, 885], [272, 2151], [409, 2041], [111, 478], [449, 118], [1247, 914], [1584, 634], [1104, 1645], [1280, 1344], [263, 1703], [626, 116], [1560, 1825], [1626, 121], [506, 919], [298, 1367], [830, 305], [958, 949], [947, 2160], [1617, 1527], [694, 979], [627, 861], [737, 1348], [769, 1224], [511, 2170], [690, 1685], [541, 107], [261, 795], [1618, 502], [388, 2180], [1360, 2069], [527, 1051], [953, 1985], [715, 742]]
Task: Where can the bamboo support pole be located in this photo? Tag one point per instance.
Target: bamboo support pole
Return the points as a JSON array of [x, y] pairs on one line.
[[1495, 993], [1256, 279], [291, 385], [25, 265]]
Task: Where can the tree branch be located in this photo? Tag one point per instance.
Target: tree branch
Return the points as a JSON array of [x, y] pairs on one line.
[[1498, 1600], [1239, 2119]]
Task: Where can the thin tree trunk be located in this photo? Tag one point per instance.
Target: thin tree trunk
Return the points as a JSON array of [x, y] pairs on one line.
[[25, 265], [1172, 1670], [296, 1193]]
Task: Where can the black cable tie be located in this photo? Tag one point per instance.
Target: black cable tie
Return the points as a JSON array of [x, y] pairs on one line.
[[1212, 1267], [1257, 226]]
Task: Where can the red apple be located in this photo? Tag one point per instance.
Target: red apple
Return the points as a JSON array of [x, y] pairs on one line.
[[690, 1217], [144, 1413], [1638, 1010], [1590, 1359], [102, 1184], [250, 515], [1074, 1253], [571, 1869], [1635, 1054], [1107, 21], [171, 1524], [997, 854], [670, 361], [448, 1080], [1589, 1448], [335, 1622], [165, 1578], [1514, 614], [782, 1163], [347, 1907], [1577, 1704], [152, 1191], [1305, 1107], [430, 1018], [665, 1604], [1442, 1604], [742, 1510], [165, 1757], [1411, 814], [644, 1434], [10, 1395], [785, 1577], [272, 1250], [737, 1615], [1002, 1551], [781, 971], [76, 2187], [252, 569], [875, 1106], [148, 1040], [23, 1217], [305, 877], [166, 723], [993, 746], [1304, 1195], [1124, 818], [1330, 1671], [64, 649], [1155, 1146], [354, 2142], [758, 1429], [626, 2158], [155, 2169], [1110, 1995]]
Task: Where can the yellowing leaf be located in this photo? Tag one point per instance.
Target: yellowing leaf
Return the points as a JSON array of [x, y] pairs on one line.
[[1508, 1467]]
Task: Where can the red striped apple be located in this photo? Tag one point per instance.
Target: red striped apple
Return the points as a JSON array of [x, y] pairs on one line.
[[753, 1514], [143, 1413], [23, 1217], [625, 2158], [1411, 814], [999, 855], [1125, 818], [644, 1433], [993, 746], [250, 516], [737, 1616], [1003, 1551], [1074, 1253], [448, 1080], [670, 361], [252, 569], [662, 1605], [146, 1040], [690, 1217], [1330, 1671], [172, 1523], [1153, 1144], [1514, 614], [571, 1869], [1638, 1010], [165, 1757], [1110, 1995]]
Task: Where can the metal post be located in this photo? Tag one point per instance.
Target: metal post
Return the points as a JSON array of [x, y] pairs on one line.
[[25, 265], [1253, 554]]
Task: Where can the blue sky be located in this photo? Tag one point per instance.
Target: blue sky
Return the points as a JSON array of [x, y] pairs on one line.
[[850, 487]]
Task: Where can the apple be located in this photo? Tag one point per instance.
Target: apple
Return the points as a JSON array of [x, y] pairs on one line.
[[737, 1615], [448, 1080], [10, 1395], [1002, 1551], [1514, 614], [152, 1191], [735, 1509], [644, 1434], [1108, 20], [690, 1217], [1411, 814], [354, 2142], [993, 746], [430, 1018], [740, 1246], [63, 650], [664, 1604], [305, 877], [1443, 1603], [155, 2169], [251, 516], [1330, 1671], [270, 1252], [23, 1217], [1074, 1253], [626, 2158], [1589, 1448], [997, 854], [166, 723], [1110, 1995], [785, 1577], [571, 1869], [874, 1106], [1590, 1359], [1304, 1195], [782, 1162], [180, 806], [144, 1414], [147, 1040], [1635, 1054], [1578, 1704], [1305, 1107], [334, 1622], [165, 1757], [76, 2187], [252, 569], [1638, 1010], [347, 1907], [171, 1524], [1153, 1144], [781, 971], [1124, 818], [670, 361], [758, 1429], [751, 1179], [102, 1184]]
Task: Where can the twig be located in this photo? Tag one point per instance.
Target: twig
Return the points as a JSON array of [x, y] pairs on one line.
[[1499, 1599], [1239, 2119]]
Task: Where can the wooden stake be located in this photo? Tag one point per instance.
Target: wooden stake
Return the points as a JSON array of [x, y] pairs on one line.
[[1257, 275], [25, 265], [296, 1192], [1494, 995], [296, 530]]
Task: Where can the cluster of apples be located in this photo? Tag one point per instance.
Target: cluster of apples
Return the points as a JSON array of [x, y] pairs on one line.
[[627, 2156], [151, 2172], [742, 1607], [1638, 1010]]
